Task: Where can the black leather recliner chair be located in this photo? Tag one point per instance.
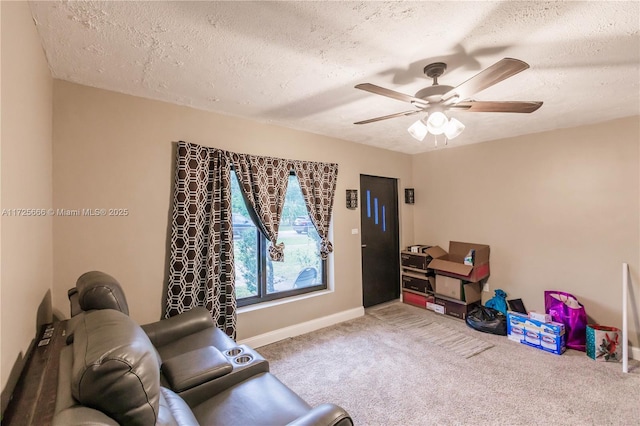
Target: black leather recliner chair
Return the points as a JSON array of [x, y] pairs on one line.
[[198, 361], [110, 375], [188, 339]]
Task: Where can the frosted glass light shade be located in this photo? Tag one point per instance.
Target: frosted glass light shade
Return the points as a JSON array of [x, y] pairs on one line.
[[453, 128], [436, 123], [418, 130]]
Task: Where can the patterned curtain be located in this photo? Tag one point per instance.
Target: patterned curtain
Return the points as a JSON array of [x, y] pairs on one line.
[[263, 181], [201, 262], [318, 185]]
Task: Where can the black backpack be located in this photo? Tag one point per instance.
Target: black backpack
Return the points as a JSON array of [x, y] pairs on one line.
[[487, 320]]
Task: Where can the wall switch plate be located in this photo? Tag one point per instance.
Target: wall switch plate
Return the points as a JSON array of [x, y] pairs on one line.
[[485, 287], [354, 231]]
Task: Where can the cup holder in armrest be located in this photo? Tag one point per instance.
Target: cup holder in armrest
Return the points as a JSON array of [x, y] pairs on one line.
[[243, 359], [239, 355], [233, 352]]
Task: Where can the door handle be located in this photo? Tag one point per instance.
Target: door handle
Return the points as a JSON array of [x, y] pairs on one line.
[[364, 246]]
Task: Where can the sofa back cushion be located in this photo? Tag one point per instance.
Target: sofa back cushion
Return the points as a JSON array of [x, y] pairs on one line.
[[115, 368], [97, 290]]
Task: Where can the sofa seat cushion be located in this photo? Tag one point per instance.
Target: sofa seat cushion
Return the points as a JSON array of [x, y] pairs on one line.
[[115, 368], [174, 411], [260, 400], [195, 367], [211, 336]]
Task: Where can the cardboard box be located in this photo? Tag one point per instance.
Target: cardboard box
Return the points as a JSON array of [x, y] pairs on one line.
[[421, 260], [417, 282], [553, 343], [454, 308], [548, 336], [453, 265], [418, 300], [519, 319], [458, 289], [515, 333], [540, 317]]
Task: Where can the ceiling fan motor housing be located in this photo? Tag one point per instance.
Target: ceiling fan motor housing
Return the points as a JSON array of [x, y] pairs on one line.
[[433, 94]]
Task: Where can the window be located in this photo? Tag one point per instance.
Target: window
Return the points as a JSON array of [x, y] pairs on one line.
[[259, 279]]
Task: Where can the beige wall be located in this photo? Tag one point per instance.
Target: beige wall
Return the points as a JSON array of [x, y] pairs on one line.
[[559, 209], [27, 254], [116, 151]]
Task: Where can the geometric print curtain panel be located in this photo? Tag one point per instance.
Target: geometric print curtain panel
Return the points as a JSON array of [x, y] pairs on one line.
[[263, 181], [201, 269], [318, 185]]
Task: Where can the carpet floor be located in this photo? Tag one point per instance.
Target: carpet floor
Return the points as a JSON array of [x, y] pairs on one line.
[[420, 326], [383, 371]]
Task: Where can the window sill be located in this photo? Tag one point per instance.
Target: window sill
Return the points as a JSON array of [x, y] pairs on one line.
[[272, 303]]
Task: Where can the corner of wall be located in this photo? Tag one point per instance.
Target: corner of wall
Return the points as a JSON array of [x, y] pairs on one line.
[[26, 247]]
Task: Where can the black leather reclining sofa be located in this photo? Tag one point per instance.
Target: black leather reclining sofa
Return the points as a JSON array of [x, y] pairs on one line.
[[179, 371]]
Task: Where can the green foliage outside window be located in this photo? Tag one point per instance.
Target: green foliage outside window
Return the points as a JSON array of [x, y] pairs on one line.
[[301, 249]]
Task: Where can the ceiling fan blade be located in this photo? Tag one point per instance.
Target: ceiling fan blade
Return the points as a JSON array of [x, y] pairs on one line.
[[391, 94], [398, 114], [497, 72], [497, 106]]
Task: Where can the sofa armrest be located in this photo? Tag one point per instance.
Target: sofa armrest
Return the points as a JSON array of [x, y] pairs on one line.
[[324, 415], [193, 368], [168, 330]]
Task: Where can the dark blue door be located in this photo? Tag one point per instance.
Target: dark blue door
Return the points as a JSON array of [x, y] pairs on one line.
[[380, 241]]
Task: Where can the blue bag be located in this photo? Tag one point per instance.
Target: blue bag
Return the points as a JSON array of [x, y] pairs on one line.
[[498, 302]]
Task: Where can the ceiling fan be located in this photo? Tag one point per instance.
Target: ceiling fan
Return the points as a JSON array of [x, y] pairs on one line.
[[436, 99]]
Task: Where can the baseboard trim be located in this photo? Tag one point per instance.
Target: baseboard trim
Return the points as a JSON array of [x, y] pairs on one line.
[[302, 328], [634, 352]]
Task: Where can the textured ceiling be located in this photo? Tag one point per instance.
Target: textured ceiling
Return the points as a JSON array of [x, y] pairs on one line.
[[295, 63]]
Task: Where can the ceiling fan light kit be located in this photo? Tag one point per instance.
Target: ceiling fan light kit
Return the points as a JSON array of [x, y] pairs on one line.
[[437, 123], [453, 129], [436, 99], [418, 130]]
